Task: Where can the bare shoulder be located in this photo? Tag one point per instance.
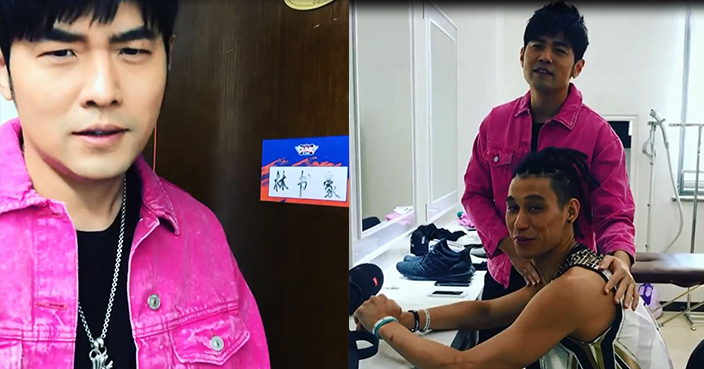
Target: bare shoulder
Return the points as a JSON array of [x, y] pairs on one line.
[[581, 292], [578, 287], [581, 279]]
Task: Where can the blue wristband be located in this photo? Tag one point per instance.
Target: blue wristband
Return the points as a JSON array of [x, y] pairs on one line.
[[380, 323]]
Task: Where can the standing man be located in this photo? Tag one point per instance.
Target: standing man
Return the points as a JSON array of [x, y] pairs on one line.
[[550, 114], [102, 263]]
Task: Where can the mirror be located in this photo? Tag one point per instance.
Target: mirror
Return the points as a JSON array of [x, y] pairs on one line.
[[443, 114], [384, 113]]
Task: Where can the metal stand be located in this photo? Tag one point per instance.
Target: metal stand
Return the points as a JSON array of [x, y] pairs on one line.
[[691, 316], [651, 155]]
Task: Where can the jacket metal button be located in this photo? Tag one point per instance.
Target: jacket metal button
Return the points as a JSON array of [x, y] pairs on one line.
[[496, 159], [217, 343], [154, 302]]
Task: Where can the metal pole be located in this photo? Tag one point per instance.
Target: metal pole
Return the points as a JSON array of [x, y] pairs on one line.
[[694, 211], [652, 183], [696, 188], [685, 90], [694, 206]]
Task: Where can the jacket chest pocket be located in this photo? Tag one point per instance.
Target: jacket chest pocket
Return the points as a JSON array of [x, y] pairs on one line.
[[501, 166], [210, 342]]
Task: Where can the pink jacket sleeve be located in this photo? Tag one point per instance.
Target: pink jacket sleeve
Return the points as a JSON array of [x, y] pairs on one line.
[[478, 198], [613, 208]]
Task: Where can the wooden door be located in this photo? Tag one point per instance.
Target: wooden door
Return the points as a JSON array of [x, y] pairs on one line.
[[244, 71]]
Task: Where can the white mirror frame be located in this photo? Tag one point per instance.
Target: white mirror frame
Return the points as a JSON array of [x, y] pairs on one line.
[[352, 122]]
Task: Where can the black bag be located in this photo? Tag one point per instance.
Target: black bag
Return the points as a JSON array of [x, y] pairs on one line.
[[697, 358], [419, 241], [421, 237], [355, 353]]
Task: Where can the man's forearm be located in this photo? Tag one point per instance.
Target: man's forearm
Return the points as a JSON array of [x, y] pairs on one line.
[[507, 247], [421, 352], [623, 256], [469, 315]]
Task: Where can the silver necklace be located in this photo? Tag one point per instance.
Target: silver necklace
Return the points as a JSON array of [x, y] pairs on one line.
[[99, 354]]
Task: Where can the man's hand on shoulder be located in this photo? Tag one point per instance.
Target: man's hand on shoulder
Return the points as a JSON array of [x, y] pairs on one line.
[[621, 278]]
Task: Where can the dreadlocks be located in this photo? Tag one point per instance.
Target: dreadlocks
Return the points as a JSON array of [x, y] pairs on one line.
[[568, 172]]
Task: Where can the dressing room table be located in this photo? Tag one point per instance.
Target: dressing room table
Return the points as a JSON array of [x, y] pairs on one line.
[[413, 295]]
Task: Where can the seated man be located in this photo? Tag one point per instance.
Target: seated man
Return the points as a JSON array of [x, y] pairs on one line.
[[566, 322]]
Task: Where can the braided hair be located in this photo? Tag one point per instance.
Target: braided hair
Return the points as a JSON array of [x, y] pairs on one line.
[[568, 172]]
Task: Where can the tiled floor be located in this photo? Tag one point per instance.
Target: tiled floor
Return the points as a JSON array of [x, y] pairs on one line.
[[681, 340]]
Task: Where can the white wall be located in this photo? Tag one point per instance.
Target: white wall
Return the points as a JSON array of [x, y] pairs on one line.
[[7, 110]]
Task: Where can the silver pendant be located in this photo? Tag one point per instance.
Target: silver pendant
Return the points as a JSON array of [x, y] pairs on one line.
[[99, 355]]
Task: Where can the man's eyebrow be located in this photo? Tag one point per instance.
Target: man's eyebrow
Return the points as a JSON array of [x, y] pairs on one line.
[[535, 198], [556, 42], [141, 33], [529, 198], [60, 35]]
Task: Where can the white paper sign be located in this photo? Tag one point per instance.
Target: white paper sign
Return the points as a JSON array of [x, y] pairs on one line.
[[314, 183]]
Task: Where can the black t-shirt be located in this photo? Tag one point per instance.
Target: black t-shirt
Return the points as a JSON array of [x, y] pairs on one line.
[[534, 136], [97, 252]]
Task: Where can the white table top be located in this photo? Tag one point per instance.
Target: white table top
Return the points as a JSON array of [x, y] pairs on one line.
[[413, 295]]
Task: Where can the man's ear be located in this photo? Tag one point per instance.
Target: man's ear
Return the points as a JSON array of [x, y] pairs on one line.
[[577, 69], [5, 82], [172, 40], [521, 56], [572, 210]]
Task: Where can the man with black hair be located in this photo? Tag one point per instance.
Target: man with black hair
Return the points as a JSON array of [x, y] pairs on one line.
[[552, 113], [564, 321], [102, 263]]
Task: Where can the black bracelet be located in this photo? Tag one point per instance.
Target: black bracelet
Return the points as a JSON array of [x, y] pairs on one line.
[[416, 317]]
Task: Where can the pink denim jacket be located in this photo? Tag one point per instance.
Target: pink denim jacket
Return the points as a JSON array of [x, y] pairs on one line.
[[179, 253], [504, 141]]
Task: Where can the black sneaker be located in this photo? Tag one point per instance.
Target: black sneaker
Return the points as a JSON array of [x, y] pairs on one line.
[[440, 263]]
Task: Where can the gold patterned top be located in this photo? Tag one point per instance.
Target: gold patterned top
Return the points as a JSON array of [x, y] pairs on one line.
[[633, 341]]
